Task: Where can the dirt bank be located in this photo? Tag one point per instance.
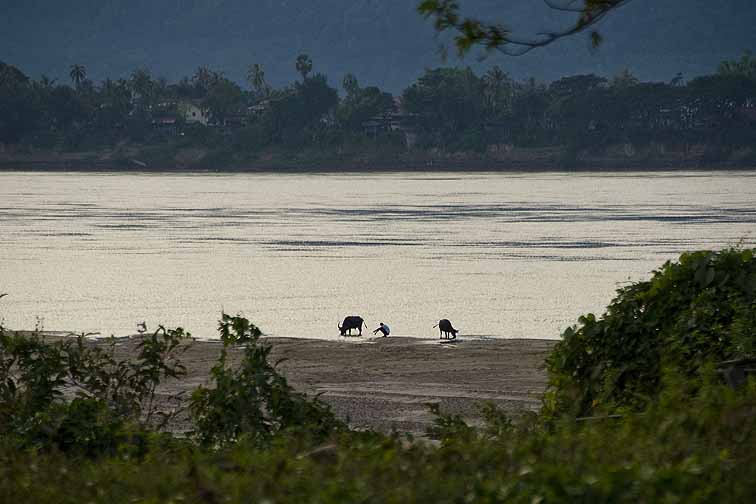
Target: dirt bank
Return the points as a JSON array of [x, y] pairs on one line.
[[140, 159], [386, 383]]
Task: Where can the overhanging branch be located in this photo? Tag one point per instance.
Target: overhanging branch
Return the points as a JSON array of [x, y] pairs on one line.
[[473, 32]]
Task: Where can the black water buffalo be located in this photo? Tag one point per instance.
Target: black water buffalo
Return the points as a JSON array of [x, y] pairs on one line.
[[445, 329], [351, 322]]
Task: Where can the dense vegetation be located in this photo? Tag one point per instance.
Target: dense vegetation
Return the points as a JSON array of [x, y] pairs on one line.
[[77, 425], [208, 120], [689, 316]]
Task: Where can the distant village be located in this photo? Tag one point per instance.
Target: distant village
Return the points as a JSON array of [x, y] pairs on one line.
[[447, 110], [169, 117], [679, 113]]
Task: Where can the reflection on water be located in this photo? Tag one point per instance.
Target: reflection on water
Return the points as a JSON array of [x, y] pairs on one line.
[[502, 255]]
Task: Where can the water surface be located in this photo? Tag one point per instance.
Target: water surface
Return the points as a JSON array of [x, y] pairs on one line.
[[501, 255]]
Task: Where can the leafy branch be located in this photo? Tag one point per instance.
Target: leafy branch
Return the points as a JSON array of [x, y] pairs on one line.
[[471, 32]]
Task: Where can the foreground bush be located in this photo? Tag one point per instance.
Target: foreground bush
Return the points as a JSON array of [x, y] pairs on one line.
[[253, 401], [72, 396], [680, 450], [697, 311]]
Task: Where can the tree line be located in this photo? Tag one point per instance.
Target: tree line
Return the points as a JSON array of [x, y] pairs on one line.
[[445, 109]]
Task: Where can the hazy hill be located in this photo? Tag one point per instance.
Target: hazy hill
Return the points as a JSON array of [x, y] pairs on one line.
[[382, 41]]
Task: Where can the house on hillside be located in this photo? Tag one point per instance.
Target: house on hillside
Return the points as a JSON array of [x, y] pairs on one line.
[[193, 113]]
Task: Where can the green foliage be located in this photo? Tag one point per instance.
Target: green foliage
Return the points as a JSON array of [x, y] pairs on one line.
[[690, 314], [223, 99], [744, 67], [499, 91], [72, 395], [256, 80], [490, 35], [350, 84], [361, 104], [297, 110], [453, 105], [695, 444], [447, 427], [19, 109], [682, 449], [304, 65], [78, 73], [447, 110], [449, 100], [253, 401]]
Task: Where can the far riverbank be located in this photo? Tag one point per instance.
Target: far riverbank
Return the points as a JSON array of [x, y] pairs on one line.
[[153, 159]]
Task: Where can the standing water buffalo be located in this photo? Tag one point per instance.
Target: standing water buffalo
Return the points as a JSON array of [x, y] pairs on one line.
[[351, 322], [445, 329]]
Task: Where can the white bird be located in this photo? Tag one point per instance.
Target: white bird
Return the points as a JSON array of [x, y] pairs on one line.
[[142, 327]]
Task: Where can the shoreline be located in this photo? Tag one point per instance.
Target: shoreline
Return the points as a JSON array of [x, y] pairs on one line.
[[331, 168], [522, 161]]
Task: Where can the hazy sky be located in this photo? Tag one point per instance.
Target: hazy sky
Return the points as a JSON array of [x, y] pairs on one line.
[[383, 42]]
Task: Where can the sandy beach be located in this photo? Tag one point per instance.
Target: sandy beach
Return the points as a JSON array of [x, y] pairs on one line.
[[386, 383]]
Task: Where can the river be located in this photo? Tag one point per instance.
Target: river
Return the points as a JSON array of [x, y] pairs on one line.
[[510, 255]]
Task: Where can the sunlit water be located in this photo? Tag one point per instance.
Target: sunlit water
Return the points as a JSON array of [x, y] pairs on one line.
[[501, 255]]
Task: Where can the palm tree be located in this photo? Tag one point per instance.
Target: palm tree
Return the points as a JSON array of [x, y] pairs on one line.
[[497, 88], [46, 82], [205, 78], [142, 87], [256, 79], [745, 66], [78, 74], [351, 86], [304, 65]]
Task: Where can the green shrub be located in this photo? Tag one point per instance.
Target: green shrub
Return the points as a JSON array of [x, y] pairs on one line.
[[73, 396], [253, 401], [698, 310], [684, 448]]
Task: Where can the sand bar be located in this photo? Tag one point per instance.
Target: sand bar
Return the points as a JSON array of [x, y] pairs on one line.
[[386, 383]]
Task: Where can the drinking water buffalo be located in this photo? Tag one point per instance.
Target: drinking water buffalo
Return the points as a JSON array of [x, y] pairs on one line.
[[445, 329], [351, 322]]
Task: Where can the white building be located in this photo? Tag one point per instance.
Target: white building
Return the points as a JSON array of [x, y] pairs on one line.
[[193, 113]]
